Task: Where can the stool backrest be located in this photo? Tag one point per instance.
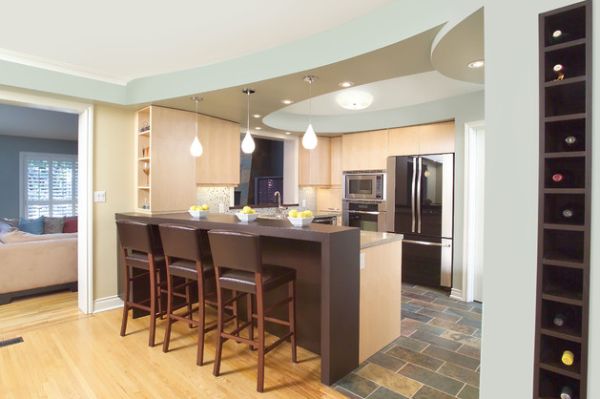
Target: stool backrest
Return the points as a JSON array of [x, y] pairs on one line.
[[182, 242], [236, 250], [138, 236]]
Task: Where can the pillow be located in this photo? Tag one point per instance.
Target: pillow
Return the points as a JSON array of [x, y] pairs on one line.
[[70, 224], [53, 225], [13, 222], [33, 226], [5, 227]]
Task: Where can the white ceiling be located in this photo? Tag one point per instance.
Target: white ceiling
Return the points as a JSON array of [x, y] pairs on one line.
[[387, 94], [38, 123], [119, 40]]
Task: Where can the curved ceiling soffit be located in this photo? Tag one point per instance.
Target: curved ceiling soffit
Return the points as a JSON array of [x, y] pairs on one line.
[[457, 44]]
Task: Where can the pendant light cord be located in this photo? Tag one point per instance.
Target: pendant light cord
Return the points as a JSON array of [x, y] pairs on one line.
[[248, 113], [310, 100], [196, 100]]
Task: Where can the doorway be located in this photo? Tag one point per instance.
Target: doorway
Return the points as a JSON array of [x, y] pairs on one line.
[[84, 114], [474, 210]]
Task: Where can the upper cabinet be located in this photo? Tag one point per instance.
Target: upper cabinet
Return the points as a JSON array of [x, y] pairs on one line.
[[423, 139], [220, 162], [314, 166], [336, 161], [166, 172], [365, 151]]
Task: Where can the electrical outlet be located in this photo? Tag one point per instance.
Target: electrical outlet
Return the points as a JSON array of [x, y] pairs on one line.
[[99, 196]]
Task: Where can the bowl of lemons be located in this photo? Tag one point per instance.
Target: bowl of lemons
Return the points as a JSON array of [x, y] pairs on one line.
[[247, 214], [300, 218], [198, 211]]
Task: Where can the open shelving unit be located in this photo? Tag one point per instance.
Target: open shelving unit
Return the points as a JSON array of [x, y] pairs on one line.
[[564, 201], [143, 158]]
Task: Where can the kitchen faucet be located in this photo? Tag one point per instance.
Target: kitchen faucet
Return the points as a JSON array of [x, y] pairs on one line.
[[279, 207]]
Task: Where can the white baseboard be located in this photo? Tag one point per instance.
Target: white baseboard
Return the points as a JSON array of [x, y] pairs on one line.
[[457, 294], [108, 303]]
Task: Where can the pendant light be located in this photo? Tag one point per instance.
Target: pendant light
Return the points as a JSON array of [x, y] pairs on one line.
[[196, 148], [309, 140], [248, 145]]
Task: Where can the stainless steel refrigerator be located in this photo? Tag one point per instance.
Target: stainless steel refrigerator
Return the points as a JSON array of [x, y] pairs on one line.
[[420, 197]]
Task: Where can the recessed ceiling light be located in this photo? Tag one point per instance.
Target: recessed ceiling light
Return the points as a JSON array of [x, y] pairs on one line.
[[258, 128], [476, 64], [354, 99], [256, 116], [287, 102], [346, 84], [288, 133]]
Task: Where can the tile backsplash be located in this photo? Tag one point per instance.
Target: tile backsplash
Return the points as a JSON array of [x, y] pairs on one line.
[[217, 198], [307, 197]]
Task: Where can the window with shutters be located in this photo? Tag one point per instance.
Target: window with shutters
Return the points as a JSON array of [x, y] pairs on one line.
[[48, 185]]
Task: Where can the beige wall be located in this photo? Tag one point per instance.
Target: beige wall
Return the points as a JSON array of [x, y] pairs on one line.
[[113, 173]]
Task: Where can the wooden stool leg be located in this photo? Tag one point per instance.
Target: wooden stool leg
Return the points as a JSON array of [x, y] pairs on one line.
[[125, 304], [152, 303], [167, 339], [220, 312], [292, 318], [159, 293], [249, 318], [234, 304], [201, 322], [188, 300], [260, 312]]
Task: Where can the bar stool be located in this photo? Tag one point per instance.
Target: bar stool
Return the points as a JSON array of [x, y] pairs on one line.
[[142, 250], [238, 266], [187, 256]]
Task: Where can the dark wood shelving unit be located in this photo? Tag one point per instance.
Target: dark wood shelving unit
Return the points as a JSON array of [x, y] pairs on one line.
[[562, 319]]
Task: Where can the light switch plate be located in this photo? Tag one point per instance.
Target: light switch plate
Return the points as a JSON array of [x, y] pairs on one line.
[[363, 260], [99, 196]]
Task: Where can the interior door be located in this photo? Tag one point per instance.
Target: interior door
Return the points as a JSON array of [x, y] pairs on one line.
[[405, 188], [435, 192]]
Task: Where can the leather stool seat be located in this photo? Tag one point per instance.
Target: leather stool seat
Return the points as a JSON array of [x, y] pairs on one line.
[[272, 277], [140, 260], [187, 268]]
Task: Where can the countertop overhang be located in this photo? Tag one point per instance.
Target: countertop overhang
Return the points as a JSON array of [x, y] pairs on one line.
[[370, 239]]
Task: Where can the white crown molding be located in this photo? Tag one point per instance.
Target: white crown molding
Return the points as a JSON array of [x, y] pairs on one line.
[[42, 63]]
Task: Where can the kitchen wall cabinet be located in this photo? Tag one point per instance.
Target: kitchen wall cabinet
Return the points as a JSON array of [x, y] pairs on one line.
[[314, 166], [220, 162], [365, 151], [166, 171], [423, 139], [336, 161]]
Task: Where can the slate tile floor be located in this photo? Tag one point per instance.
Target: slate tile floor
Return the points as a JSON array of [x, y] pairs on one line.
[[437, 356]]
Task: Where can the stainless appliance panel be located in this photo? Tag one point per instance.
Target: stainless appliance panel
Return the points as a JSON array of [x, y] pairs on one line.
[[427, 261], [366, 215], [365, 185], [401, 192]]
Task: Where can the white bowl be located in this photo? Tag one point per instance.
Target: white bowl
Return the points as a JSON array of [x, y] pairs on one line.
[[198, 214], [246, 217], [300, 222]]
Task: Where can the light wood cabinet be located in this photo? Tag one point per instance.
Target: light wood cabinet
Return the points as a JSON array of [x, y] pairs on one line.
[[365, 151], [220, 162], [314, 166], [166, 171], [336, 161], [423, 139]]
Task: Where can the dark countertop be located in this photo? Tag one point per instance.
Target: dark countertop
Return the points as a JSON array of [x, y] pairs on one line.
[[266, 227]]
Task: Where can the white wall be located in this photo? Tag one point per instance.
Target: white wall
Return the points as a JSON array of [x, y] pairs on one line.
[[511, 193]]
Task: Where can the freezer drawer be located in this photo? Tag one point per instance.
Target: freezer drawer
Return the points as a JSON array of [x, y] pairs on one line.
[[427, 262]]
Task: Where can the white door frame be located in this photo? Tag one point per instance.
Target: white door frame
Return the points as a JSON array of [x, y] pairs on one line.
[[85, 194], [472, 243]]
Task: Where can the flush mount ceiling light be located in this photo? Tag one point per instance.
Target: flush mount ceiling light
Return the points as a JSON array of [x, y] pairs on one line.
[[346, 84], [309, 140], [256, 116], [258, 128], [354, 100], [287, 102], [196, 148], [288, 133], [476, 64], [248, 144]]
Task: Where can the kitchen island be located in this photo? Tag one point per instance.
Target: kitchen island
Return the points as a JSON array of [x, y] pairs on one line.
[[327, 262]]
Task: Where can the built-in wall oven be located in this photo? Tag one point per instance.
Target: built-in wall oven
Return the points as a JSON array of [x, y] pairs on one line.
[[365, 185], [364, 214]]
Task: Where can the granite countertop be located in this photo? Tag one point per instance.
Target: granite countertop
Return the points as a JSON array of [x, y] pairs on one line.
[[370, 239]]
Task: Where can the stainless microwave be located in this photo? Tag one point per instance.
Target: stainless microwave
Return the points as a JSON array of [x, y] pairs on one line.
[[364, 185]]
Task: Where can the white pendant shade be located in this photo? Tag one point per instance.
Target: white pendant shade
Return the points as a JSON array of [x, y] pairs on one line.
[[248, 145], [196, 148], [309, 140]]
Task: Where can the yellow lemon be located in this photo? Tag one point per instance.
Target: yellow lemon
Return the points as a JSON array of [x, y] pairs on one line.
[[307, 214], [204, 207], [293, 213]]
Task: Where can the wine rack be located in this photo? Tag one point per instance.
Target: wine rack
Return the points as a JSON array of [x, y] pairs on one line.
[[561, 342]]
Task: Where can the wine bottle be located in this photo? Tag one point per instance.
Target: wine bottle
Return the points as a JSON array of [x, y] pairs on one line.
[[566, 393], [561, 178], [570, 140], [559, 70], [558, 35], [568, 358], [567, 213], [559, 320]]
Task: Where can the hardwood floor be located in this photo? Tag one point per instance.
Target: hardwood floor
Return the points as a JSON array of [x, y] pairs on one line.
[[69, 355]]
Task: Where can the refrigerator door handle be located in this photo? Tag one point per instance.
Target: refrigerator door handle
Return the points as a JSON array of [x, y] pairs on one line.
[[412, 198], [427, 243], [419, 177]]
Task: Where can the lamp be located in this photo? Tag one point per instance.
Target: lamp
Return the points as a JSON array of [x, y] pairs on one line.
[[248, 145], [196, 148], [309, 139]]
